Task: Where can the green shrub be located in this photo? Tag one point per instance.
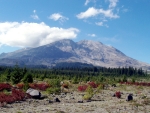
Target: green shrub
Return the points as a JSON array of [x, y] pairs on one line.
[[28, 78], [26, 86], [87, 96], [6, 92], [52, 90], [89, 93], [99, 88], [54, 82]]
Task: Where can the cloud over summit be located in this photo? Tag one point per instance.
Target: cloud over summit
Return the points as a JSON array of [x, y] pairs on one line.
[[27, 34]]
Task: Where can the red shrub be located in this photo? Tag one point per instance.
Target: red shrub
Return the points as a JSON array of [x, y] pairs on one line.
[[41, 86], [82, 88], [32, 85], [129, 83], [136, 83], [20, 85], [122, 82], [118, 94], [16, 95], [2, 97], [148, 84], [5, 86], [93, 84], [143, 84]]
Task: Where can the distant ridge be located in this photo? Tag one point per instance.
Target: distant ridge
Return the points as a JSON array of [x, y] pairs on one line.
[[85, 51]]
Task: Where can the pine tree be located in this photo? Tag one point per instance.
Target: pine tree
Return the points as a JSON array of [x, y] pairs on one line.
[[16, 75]]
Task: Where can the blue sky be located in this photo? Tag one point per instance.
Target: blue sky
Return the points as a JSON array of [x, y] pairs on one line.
[[123, 24]]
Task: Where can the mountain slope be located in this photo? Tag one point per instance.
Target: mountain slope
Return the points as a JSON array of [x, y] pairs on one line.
[[85, 51]]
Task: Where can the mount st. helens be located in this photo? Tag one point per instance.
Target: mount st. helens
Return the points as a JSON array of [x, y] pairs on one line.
[[86, 51]]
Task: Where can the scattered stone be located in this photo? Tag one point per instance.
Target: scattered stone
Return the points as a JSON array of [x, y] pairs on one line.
[[50, 101], [60, 112], [56, 100], [113, 85], [80, 101], [114, 95], [130, 97], [88, 101]]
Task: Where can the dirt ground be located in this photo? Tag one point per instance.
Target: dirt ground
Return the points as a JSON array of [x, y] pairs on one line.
[[102, 102]]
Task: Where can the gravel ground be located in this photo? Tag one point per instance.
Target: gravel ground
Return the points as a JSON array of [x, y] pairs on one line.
[[102, 102]]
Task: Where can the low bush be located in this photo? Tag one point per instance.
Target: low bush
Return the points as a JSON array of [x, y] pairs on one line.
[[20, 85], [118, 94], [82, 88], [87, 96], [16, 95], [52, 90], [41, 86], [89, 93], [4, 86], [93, 84]]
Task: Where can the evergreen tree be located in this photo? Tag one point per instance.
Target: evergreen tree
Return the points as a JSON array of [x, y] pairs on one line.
[[7, 74], [28, 78], [16, 75]]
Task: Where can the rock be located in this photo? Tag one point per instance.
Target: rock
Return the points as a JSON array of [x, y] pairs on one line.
[[34, 93], [113, 95], [88, 101], [80, 101], [130, 97], [50, 101], [60, 112], [72, 98], [56, 100], [113, 85]]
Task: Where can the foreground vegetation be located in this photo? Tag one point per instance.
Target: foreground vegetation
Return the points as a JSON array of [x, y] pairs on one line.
[[90, 80]]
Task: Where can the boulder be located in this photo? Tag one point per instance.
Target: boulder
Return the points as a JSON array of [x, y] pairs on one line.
[[34, 93]]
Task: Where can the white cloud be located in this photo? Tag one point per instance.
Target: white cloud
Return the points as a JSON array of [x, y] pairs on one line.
[[92, 35], [57, 16], [99, 23], [32, 34], [91, 12], [100, 14], [86, 2], [108, 13], [35, 16], [113, 3]]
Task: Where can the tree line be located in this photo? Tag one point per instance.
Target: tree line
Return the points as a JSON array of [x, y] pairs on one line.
[[17, 74]]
